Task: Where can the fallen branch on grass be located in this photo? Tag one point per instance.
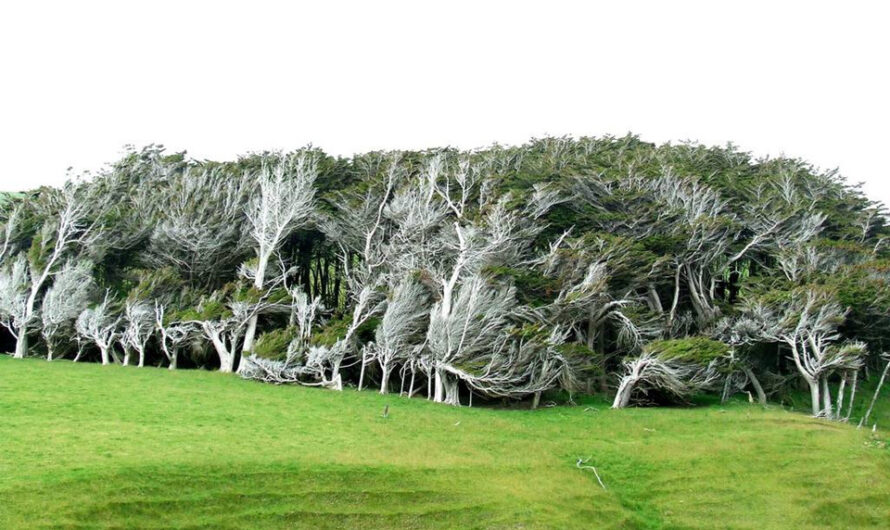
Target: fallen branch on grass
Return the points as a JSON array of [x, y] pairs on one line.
[[582, 464]]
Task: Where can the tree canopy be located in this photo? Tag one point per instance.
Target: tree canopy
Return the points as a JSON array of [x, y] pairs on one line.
[[581, 265]]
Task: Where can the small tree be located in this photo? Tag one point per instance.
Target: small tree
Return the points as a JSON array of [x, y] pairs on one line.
[[173, 334], [224, 325], [468, 327], [64, 301], [807, 320], [139, 326], [680, 367], [99, 325], [401, 330]]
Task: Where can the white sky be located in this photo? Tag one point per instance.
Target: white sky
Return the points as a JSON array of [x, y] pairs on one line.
[[78, 80]]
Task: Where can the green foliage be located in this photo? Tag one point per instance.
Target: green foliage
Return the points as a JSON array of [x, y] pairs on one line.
[[151, 284], [696, 350], [38, 252], [331, 332], [273, 344], [589, 363], [532, 287]]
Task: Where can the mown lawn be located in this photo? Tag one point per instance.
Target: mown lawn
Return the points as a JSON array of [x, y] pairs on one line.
[[83, 445]]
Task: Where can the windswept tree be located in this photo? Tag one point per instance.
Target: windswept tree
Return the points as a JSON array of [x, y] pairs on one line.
[[173, 334], [224, 318], [400, 336], [360, 230], [65, 230], [807, 321], [285, 202], [63, 302], [139, 326], [200, 228], [467, 328], [678, 368], [100, 325], [484, 231]]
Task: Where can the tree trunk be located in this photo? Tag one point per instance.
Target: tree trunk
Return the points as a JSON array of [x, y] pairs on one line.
[[21, 345], [725, 395], [814, 396], [438, 394], [625, 389], [452, 391], [654, 300], [536, 400], [258, 282], [226, 363], [336, 380], [676, 299], [173, 359], [761, 395], [103, 352], [839, 407], [852, 395], [384, 379], [877, 391], [361, 375], [826, 398], [250, 334]]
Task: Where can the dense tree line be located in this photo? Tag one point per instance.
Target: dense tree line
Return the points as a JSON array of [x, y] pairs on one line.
[[585, 265]]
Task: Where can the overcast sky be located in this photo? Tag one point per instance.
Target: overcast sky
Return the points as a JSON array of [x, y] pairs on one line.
[[82, 79]]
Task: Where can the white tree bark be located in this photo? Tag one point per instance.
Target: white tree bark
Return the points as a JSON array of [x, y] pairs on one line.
[[285, 202]]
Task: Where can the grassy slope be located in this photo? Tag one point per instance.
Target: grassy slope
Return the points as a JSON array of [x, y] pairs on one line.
[[86, 445]]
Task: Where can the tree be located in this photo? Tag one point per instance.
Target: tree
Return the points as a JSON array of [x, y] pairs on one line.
[[285, 202], [57, 236], [806, 320], [200, 227], [224, 323], [399, 337], [139, 326], [464, 327], [360, 231], [173, 334], [64, 300], [679, 367], [100, 325]]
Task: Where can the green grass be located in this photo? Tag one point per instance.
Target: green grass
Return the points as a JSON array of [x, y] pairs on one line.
[[83, 445]]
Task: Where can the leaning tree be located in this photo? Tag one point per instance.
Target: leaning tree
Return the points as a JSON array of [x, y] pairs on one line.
[[64, 230], [69, 294], [284, 203]]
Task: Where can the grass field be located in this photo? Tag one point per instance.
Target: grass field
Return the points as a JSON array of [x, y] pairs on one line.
[[83, 445]]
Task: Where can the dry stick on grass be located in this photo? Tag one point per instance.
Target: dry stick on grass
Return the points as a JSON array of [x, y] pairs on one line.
[[581, 464]]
